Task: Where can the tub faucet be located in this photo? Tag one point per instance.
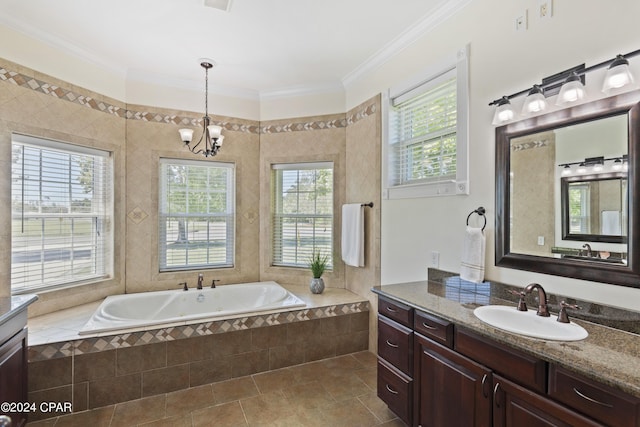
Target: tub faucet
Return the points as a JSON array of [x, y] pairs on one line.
[[213, 283], [200, 280], [542, 299], [588, 248]]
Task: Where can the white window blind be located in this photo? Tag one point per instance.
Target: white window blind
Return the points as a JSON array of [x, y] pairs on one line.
[[302, 201], [423, 127], [426, 148], [61, 214], [197, 214]]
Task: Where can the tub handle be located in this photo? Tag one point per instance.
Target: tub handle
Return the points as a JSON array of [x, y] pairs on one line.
[[213, 283], [184, 286]]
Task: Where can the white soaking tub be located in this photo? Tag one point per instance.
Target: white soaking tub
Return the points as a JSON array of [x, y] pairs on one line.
[[169, 307]]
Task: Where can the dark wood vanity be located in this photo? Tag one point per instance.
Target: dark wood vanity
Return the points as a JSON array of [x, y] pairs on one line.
[[435, 372], [13, 356]]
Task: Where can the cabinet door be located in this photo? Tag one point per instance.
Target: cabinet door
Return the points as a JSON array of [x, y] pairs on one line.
[[452, 390], [516, 406], [13, 374]]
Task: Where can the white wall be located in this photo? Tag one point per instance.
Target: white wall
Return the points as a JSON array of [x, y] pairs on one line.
[[502, 61]]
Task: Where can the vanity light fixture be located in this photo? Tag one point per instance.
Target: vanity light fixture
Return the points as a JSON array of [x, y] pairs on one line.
[[535, 101], [597, 164], [572, 90], [569, 85], [212, 137], [504, 111], [618, 75]]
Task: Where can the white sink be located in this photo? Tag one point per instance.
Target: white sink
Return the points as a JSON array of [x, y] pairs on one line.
[[529, 324]]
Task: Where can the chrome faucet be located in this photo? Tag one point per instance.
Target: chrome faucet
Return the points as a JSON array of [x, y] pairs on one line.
[[588, 248], [200, 280], [542, 299]]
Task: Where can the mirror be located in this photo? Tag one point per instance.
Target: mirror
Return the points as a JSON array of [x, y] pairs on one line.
[[594, 208], [566, 188]]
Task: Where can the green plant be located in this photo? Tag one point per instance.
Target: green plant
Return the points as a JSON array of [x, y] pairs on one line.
[[317, 264]]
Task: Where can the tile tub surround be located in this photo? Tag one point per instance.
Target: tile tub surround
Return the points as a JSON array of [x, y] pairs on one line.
[[105, 370], [610, 356]]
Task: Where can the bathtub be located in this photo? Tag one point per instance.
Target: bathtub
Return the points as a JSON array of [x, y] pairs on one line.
[[118, 312]]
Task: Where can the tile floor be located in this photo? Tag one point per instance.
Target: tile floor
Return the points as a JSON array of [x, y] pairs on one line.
[[340, 391]]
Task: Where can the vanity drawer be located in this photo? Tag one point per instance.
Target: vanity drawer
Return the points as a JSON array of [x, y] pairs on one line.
[[397, 311], [395, 344], [432, 327], [601, 402], [396, 390], [513, 364]]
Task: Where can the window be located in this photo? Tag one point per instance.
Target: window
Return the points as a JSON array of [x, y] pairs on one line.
[[302, 200], [579, 208], [427, 133], [61, 214], [197, 214]]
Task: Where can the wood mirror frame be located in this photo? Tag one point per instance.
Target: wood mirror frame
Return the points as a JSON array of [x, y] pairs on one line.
[[626, 275]]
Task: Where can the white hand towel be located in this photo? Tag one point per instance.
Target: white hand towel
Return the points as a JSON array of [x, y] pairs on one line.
[[353, 234], [472, 267]]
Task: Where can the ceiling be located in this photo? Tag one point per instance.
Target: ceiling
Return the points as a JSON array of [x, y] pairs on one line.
[[260, 47]]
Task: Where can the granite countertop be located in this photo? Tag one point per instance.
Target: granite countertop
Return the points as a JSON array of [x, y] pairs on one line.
[[608, 355], [11, 306]]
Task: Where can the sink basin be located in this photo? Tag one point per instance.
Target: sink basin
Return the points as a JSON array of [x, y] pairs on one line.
[[529, 324]]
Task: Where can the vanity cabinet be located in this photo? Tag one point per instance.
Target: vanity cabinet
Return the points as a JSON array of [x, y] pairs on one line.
[[395, 357], [516, 406], [452, 390], [13, 374], [434, 373]]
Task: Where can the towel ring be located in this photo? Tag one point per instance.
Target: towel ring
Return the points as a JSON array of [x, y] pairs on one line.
[[480, 211]]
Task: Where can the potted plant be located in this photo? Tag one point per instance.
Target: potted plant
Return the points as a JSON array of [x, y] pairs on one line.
[[317, 264]]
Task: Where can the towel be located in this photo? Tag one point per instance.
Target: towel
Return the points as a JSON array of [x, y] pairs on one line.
[[353, 234], [611, 223], [472, 266]]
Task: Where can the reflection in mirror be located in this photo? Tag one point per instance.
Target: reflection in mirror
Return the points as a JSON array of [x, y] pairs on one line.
[[594, 208], [540, 162], [586, 159]]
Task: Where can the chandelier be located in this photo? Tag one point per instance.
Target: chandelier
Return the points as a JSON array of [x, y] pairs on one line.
[[211, 140]]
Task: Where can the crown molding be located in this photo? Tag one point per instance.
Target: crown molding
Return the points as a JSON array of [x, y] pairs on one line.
[[445, 10], [302, 90], [62, 44]]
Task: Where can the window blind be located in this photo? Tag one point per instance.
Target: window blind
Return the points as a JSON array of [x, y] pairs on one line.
[[302, 203], [423, 139], [197, 214], [61, 214]]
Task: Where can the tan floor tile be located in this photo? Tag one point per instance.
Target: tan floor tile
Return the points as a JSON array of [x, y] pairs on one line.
[[369, 376], [377, 407], [43, 423], [367, 358], [225, 415], [345, 386], [184, 401], [337, 366], [139, 411], [178, 421], [236, 389], [274, 380], [266, 409], [310, 395], [96, 418], [393, 423], [309, 372], [349, 413]]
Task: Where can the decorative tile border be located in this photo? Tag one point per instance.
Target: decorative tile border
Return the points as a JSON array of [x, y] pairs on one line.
[[131, 339], [28, 82]]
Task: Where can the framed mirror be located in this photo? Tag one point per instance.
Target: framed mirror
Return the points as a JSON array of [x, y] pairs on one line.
[[567, 192]]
